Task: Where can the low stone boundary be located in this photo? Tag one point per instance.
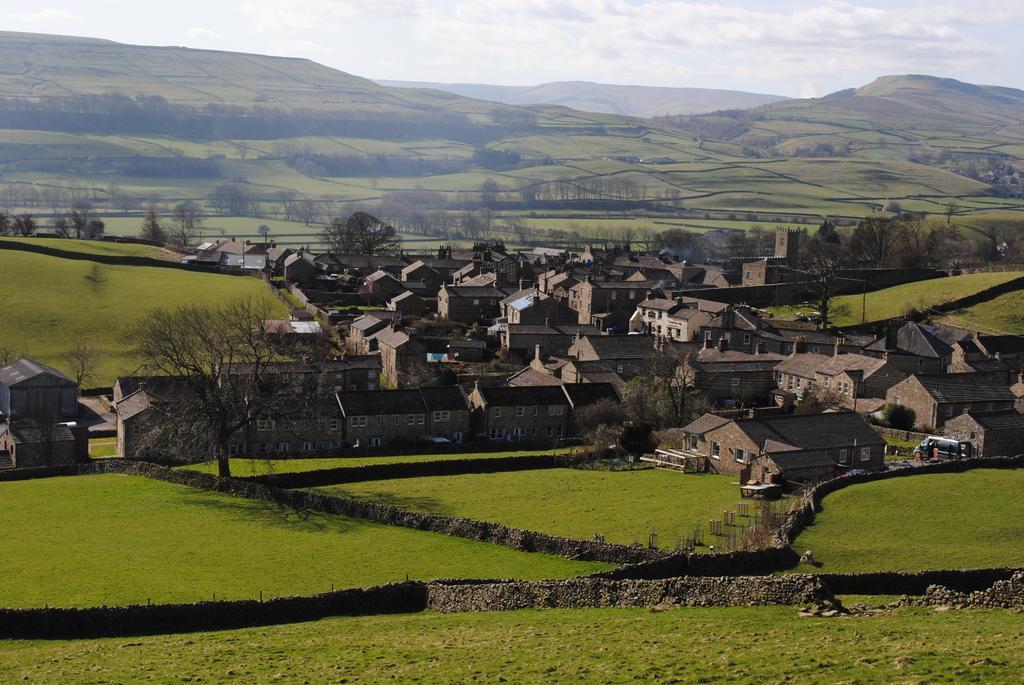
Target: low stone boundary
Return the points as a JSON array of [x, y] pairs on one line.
[[65, 623], [414, 469], [914, 583], [741, 563], [16, 474], [111, 260], [579, 593], [1002, 594], [481, 531]]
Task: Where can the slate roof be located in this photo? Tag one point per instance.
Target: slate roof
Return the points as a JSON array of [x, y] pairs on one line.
[[582, 394], [392, 338], [24, 369], [134, 404], [705, 423], [912, 338], [1003, 344], [804, 365], [159, 386], [811, 431], [552, 329], [473, 291], [378, 402], [531, 376], [523, 395], [371, 319], [621, 346], [444, 398], [1000, 421], [28, 431], [964, 387]]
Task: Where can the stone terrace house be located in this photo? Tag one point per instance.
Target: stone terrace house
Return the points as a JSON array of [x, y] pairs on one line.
[[418, 272], [400, 354], [469, 304], [995, 434], [853, 376], [913, 349], [791, 448], [389, 417], [938, 397], [623, 355], [744, 329], [727, 378], [530, 306], [521, 340], [361, 332], [381, 286], [608, 303], [521, 413], [676, 319], [408, 304]]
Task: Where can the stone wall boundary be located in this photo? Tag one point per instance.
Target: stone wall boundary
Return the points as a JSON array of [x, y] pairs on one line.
[[112, 260], [414, 469]]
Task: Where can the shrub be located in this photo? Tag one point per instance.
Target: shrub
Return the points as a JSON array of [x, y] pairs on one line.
[[899, 417]]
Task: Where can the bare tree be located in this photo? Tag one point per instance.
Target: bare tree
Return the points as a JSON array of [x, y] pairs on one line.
[[8, 354], [361, 234], [185, 222], [83, 360], [225, 359], [821, 266], [24, 225], [875, 239], [5, 224], [151, 227]]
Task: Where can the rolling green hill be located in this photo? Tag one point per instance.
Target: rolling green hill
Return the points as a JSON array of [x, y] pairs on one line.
[[98, 120]]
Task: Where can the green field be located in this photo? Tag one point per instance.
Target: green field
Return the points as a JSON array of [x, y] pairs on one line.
[[938, 521], [91, 540], [241, 467], [893, 302], [1003, 314], [96, 247], [56, 305], [621, 505], [743, 645], [102, 447]]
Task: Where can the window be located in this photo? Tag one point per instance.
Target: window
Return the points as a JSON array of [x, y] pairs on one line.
[[738, 455], [497, 412], [497, 433], [520, 411], [476, 302], [441, 416], [778, 378], [264, 424], [614, 295], [694, 443], [398, 420], [815, 349], [235, 448], [549, 431], [333, 425], [308, 446], [536, 410], [896, 400], [827, 381], [716, 450], [359, 421], [556, 410], [735, 381], [632, 294], [283, 446], [844, 456], [415, 419], [865, 454], [618, 368], [746, 338], [949, 411]]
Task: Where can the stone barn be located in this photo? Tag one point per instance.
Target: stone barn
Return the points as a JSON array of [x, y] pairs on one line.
[[30, 390]]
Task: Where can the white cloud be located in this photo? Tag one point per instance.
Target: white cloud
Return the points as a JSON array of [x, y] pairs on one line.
[[49, 15], [201, 35]]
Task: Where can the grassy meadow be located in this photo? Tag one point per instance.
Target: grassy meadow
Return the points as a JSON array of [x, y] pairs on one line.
[[91, 540], [937, 521], [56, 304], [743, 645], [893, 302], [1003, 314], [621, 505], [243, 467]]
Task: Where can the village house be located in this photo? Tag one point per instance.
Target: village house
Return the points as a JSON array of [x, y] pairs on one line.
[[400, 355], [418, 272], [625, 356], [853, 377], [30, 390], [938, 397], [469, 304], [530, 306], [27, 443], [608, 304], [381, 286], [300, 269], [729, 379], [992, 434], [912, 348], [389, 417], [800, 448], [678, 319], [362, 331], [521, 340], [521, 413], [408, 304]]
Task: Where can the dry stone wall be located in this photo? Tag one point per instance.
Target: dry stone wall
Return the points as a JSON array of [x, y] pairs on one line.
[[1003, 594]]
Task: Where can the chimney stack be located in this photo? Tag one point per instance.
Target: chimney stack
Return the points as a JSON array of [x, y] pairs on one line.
[[723, 344]]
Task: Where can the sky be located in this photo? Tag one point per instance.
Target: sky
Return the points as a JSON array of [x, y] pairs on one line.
[[794, 48]]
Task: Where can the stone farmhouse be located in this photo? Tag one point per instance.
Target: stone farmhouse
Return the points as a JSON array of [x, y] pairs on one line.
[[992, 434], [38, 407], [938, 397]]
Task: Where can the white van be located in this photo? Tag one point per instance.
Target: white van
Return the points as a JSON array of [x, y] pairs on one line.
[[938, 448]]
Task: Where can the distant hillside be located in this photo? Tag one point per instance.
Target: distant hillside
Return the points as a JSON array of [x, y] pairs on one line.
[[637, 101], [915, 117]]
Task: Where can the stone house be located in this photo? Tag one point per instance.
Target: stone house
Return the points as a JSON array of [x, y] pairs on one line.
[[381, 286], [995, 434], [937, 397], [674, 319], [530, 306], [608, 303], [912, 348], [728, 379], [852, 376], [408, 304], [521, 412], [557, 283], [806, 447], [30, 390], [361, 332], [624, 355], [27, 443], [521, 340], [418, 272], [388, 417], [300, 270], [469, 304], [400, 355]]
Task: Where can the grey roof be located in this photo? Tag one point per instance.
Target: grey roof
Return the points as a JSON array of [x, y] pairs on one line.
[[621, 346], [523, 395], [374, 402], [444, 398], [803, 365], [371, 319], [473, 291], [965, 387], [582, 394], [28, 431], [24, 369], [133, 405], [999, 421], [912, 338], [705, 423], [811, 431], [531, 376]]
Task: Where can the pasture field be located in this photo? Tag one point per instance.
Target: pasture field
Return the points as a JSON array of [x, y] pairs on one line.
[[743, 645], [243, 467], [621, 505], [100, 448], [97, 247], [936, 521], [55, 304], [91, 540], [1003, 314], [892, 302]]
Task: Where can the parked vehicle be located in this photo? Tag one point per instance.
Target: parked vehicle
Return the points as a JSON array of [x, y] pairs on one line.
[[937, 448]]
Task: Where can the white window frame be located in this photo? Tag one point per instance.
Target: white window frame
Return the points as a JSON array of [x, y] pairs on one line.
[[865, 454], [716, 450], [359, 421], [442, 416], [844, 456], [556, 410], [520, 411]]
